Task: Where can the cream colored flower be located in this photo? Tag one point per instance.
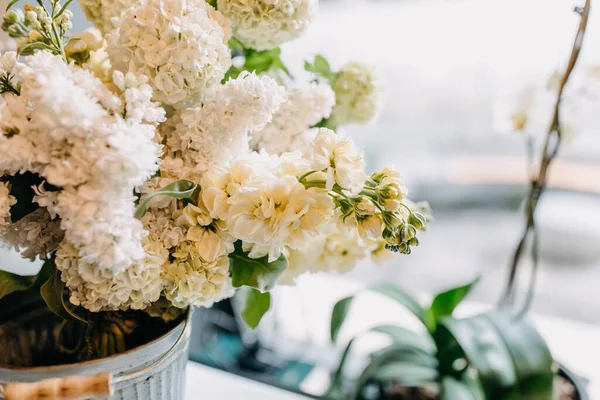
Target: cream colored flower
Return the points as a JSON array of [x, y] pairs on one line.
[[357, 94], [342, 161], [208, 235], [265, 24], [370, 227]]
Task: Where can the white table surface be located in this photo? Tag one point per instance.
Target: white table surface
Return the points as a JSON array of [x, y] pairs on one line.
[[206, 383]]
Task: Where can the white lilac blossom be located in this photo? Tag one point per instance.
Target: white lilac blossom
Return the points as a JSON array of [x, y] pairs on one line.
[[304, 107], [180, 45], [265, 24], [357, 93], [136, 287], [104, 14], [35, 235], [6, 201], [68, 127], [338, 156], [216, 131], [190, 280]]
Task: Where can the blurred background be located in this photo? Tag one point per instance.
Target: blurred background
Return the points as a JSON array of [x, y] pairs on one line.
[[447, 67]]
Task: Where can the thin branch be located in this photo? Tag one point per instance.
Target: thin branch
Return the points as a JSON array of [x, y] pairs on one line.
[[538, 183]]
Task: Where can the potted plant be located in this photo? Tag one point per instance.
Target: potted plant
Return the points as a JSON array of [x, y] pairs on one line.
[[160, 161], [495, 355]]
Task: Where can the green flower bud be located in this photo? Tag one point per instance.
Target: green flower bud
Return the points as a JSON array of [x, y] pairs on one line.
[[417, 219], [13, 16]]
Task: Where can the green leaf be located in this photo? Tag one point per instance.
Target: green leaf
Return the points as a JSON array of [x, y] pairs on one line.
[[407, 338], [443, 304], [10, 282], [476, 340], [340, 310], [257, 273], [53, 294], [453, 389], [531, 357], [10, 4], [257, 304], [338, 316], [337, 379], [400, 296], [182, 189], [320, 66], [404, 373]]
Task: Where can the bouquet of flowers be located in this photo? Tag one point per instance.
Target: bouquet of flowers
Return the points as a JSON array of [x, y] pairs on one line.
[[167, 156]]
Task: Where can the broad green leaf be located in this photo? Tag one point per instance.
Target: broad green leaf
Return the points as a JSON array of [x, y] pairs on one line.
[[407, 354], [10, 282], [257, 273], [340, 310], [53, 294], [531, 357], [407, 338], [453, 389], [257, 304], [400, 296], [477, 340], [405, 374], [443, 304], [321, 64], [182, 189], [338, 316]]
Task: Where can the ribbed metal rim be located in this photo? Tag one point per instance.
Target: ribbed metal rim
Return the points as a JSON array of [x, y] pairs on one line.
[[185, 326]]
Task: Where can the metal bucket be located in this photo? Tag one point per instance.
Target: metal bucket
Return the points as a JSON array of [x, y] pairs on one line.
[[154, 371]]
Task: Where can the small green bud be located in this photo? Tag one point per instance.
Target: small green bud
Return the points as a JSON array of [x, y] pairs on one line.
[[417, 219], [12, 17]]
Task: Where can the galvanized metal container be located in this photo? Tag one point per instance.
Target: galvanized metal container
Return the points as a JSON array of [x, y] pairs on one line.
[[154, 371]]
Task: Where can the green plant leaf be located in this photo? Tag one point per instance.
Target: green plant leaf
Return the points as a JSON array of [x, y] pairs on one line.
[[53, 294], [10, 4], [257, 304], [407, 338], [182, 189], [453, 389], [531, 357], [257, 273], [400, 296], [444, 303], [341, 308], [10, 282], [338, 316], [476, 340], [394, 371], [320, 66]]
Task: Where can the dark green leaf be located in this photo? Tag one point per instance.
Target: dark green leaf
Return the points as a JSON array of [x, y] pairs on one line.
[[338, 316], [407, 354], [531, 357], [336, 386], [476, 340], [257, 273], [257, 304], [453, 389], [399, 295], [10, 283], [182, 189], [53, 294], [443, 304]]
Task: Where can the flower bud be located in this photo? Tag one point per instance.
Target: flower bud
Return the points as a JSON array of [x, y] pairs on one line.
[[92, 38], [417, 219], [75, 45], [34, 36], [12, 17]]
